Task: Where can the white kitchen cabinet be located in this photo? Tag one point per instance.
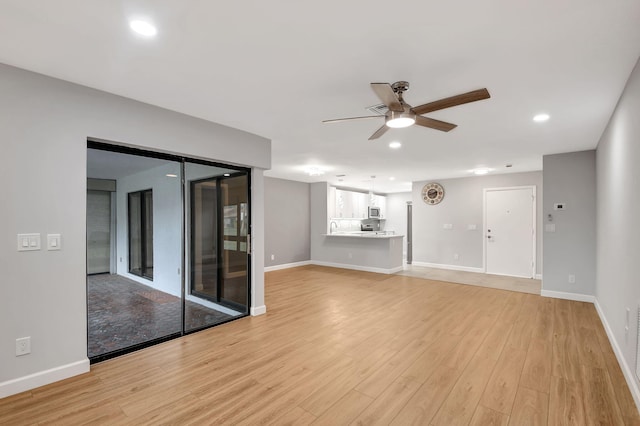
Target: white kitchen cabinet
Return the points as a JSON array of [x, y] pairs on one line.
[[381, 202], [360, 202], [348, 204], [352, 204], [332, 209], [344, 204]]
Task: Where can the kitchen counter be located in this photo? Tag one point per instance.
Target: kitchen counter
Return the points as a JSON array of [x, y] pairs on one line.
[[363, 234], [364, 251]]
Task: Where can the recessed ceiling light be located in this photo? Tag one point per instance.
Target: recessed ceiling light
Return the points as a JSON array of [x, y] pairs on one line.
[[481, 171], [540, 118], [144, 28], [314, 171], [395, 145], [392, 178], [171, 175], [226, 174]]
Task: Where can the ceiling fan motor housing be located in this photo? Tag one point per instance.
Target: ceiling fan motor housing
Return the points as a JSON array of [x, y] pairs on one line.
[[400, 86]]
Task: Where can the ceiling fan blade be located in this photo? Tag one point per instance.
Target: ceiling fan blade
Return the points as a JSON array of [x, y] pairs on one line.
[[337, 120], [464, 98], [381, 131], [434, 124], [387, 96]]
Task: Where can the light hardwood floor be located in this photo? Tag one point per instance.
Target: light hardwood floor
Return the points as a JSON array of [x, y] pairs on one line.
[[344, 347]]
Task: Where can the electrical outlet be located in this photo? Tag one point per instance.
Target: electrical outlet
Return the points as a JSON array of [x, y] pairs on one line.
[[23, 346], [350, 256], [572, 279], [273, 257], [456, 256]]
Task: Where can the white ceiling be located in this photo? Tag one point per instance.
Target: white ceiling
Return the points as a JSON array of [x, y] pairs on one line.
[[278, 68]]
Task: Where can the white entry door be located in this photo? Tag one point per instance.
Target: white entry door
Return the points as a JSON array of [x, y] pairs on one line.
[[510, 233]]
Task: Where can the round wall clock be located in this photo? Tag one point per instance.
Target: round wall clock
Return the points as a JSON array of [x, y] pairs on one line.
[[432, 193]]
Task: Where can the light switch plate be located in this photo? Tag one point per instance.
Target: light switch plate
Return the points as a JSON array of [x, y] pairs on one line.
[[28, 242], [54, 242]]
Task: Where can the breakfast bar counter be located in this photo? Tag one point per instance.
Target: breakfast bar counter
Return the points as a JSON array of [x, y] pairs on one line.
[[365, 251]]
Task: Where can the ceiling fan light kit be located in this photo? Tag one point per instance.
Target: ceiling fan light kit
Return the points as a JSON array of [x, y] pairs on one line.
[[398, 120], [400, 114]]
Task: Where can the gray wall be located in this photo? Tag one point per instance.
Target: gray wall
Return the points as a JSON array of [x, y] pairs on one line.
[[287, 221], [319, 202], [462, 206], [44, 125], [618, 215], [571, 179]]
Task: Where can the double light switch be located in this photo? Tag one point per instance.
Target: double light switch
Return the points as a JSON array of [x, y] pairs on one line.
[[28, 242], [31, 242]]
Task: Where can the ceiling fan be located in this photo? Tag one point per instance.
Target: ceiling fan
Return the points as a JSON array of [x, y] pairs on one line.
[[401, 114]]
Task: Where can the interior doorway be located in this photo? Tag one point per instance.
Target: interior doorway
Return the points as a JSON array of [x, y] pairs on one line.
[[510, 231], [140, 239]]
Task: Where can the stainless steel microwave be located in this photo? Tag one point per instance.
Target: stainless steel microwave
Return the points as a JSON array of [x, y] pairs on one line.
[[374, 212]]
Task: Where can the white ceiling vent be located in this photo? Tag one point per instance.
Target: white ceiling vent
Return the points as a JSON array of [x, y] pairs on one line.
[[380, 109]]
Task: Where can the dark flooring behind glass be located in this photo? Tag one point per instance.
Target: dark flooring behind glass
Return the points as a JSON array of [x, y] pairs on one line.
[[123, 313]]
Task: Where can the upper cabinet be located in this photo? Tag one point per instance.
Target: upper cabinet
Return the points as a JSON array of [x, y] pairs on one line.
[[346, 204], [352, 204], [379, 201]]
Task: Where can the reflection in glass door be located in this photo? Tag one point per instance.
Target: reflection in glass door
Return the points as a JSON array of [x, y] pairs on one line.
[[204, 259], [233, 282], [219, 241]]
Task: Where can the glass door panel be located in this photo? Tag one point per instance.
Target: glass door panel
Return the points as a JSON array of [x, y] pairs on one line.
[[204, 258], [235, 256], [137, 303], [218, 250]]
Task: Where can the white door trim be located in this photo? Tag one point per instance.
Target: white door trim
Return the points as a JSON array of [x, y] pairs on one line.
[[484, 224]]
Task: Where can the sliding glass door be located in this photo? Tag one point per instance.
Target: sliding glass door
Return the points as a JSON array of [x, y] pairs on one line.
[[178, 247], [219, 235]]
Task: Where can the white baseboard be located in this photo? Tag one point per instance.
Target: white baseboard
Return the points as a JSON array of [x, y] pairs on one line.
[[287, 265], [32, 381], [568, 296], [626, 369], [357, 267], [258, 310], [449, 267]]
